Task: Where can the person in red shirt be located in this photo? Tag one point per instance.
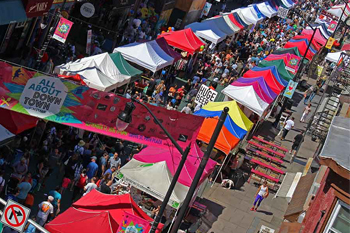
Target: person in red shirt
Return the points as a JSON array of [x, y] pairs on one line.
[[180, 93], [79, 187]]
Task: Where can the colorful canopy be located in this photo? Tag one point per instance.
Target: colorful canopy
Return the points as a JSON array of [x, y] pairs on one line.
[[313, 48], [290, 60], [318, 35], [245, 20], [275, 73], [301, 46], [256, 12], [322, 27], [222, 25], [315, 41], [166, 48], [123, 66], [239, 19], [208, 31], [292, 50], [266, 9], [286, 75], [337, 10], [234, 20], [185, 40], [16, 122], [269, 78], [235, 26]]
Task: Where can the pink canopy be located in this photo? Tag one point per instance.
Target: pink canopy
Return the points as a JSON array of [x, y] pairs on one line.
[[318, 35], [172, 157], [258, 88]]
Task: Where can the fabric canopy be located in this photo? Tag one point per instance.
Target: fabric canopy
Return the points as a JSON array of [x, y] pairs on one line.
[[98, 72], [317, 42], [345, 47], [208, 31], [333, 57], [5, 135], [244, 18], [318, 35], [166, 48], [266, 10], [154, 179], [301, 46], [269, 78], [275, 73], [233, 19], [148, 55], [232, 24], [260, 87], [16, 122], [172, 158], [279, 64], [256, 12], [12, 11], [338, 11], [184, 39], [313, 48], [222, 25], [249, 16], [123, 66], [239, 19], [291, 61], [246, 96], [225, 141], [292, 50], [73, 220], [323, 29]]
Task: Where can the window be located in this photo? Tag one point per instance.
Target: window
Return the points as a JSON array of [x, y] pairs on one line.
[[339, 222]]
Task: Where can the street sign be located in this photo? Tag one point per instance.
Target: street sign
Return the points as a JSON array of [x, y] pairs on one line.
[[330, 42], [15, 215], [205, 95], [290, 89], [282, 12]]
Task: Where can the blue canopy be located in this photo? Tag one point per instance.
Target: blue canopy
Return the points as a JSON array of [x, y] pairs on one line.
[[307, 43], [274, 72], [239, 20]]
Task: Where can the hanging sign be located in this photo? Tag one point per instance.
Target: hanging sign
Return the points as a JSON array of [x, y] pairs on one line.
[[332, 26], [282, 12], [15, 215], [133, 224], [206, 9], [62, 30], [330, 42], [290, 89], [205, 95], [87, 10], [319, 70], [88, 42]]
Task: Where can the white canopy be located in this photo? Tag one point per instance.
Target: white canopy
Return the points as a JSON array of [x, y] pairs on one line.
[[243, 17], [230, 23], [249, 14], [208, 31], [333, 57], [98, 72], [266, 10], [5, 135], [246, 96], [257, 16], [287, 4], [222, 25], [154, 179], [148, 55], [338, 11]]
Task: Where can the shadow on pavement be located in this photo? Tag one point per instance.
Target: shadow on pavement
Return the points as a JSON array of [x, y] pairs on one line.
[[264, 212], [211, 215]]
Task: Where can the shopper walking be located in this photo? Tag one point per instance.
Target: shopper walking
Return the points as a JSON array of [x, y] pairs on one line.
[[260, 195], [298, 139], [287, 127], [45, 209], [306, 112]]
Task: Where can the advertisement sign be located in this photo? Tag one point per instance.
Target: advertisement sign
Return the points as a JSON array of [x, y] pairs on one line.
[[88, 42], [205, 95], [62, 30], [37, 7], [282, 12], [206, 9], [293, 63], [290, 89], [65, 102], [330, 43], [133, 224], [87, 10]]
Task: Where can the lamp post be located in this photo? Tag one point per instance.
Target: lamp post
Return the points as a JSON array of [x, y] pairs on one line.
[[123, 121]]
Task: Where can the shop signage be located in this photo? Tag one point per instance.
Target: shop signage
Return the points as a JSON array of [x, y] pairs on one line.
[[87, 10], [206, 9], [62, 30], [282, 12], [35, 8], [134, 224], [205, 95], [290, 89], [330, 43], [319, 70]]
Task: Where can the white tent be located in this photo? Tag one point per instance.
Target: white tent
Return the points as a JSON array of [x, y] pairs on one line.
[[266, 10], [249, 14], [287, 4], [243, 17], [246, 96], [222, 25], [333, 57], [98, 72], [5, 135], [230, 23], [338, 11], [154, 179], [207, 31], [259, 16], [148, 55]]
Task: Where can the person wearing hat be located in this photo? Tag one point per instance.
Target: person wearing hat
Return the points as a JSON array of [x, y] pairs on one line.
[[45, 209], [79, 148], [92, 168]]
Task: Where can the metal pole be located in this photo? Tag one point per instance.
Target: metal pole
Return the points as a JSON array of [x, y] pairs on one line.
[[336, 27], [35, 224], [170, 190], [200, 170]]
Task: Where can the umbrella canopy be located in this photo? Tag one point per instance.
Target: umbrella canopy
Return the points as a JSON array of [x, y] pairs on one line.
[[185, 40], [16, 122], [292, 50], [246, 96], [279, 64], [208, 31], [73, 220], [268, 76], [166, 48], [148, 55], [123, 66]]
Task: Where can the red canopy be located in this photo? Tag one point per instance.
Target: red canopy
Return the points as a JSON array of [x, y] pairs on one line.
[[233, 20], [345, 47], [75, 78], [73, 220], [16, 122], [316, 44], [270, 79], [318, 35], [302, 46], [116, 205], [184, 39]]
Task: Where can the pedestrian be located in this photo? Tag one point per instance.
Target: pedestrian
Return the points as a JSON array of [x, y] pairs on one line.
[[79, 148], [92, 168], [261, 194], [110, 171], [2, 182], [187, 109], [24, 189], [298, 139], [78, 188], [103, 163], [115, 161], [57, 200], [306, 112], [20, 168], [287, 127], [90, 186], [65, 183], [45, 209]]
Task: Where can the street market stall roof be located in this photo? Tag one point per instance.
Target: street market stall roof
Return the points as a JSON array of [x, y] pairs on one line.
[[231, 22], [318, 35], [292, 50], [256, 12], [279, 64], [5, 135], [323, 29], [334, 152], [73, 220], [333, 57], [337, 10], [123, 66], [345, 47], [232, 18], [239, 19], [247, 97], [318, 42], [313, 48], [270, 79], [301, 46], [208, 31], [287, 4], [249, 15], [266, 9], [222, 25], [148, 55], [245, 16], [185, 40], [166, 48], [16, 122]]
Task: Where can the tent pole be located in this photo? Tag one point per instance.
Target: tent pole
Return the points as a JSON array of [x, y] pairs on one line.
[[172, 221], [219, 171]]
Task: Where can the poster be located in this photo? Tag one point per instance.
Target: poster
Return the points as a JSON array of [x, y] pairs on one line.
[[293, 63], [332, 26], [62, 30], [205, 95], [290, 89], [88, 42], [65, 102], [206, 9], [133, 224], [330, 43]]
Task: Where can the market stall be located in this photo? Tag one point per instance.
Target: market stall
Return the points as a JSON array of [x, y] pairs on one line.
[[166, 48], [245, 15], [231, 22], [333, 57], [293, 50], [222, 25], [318, 35], [291, 61], [302, 47], [123, 66], [5, 136], [16, 122], [233, 19], [279, 64], [208, 31], [266, 9]]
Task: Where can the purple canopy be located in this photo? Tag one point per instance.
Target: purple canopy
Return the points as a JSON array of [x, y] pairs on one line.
[[166, 48], [260, 87]]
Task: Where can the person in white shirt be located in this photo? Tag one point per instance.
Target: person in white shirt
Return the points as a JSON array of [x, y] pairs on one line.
[[287, 126], [187, 109], [45, 209], [260, 195], [90, 186]]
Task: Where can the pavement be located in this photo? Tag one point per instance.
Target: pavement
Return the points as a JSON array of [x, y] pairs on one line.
[[231, 208]]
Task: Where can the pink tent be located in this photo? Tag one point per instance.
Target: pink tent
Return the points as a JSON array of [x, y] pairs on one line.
[[173, 157], [318, 35]]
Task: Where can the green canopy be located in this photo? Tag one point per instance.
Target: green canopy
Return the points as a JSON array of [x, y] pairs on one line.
[[123, 66], [281, 68], [293, 50]]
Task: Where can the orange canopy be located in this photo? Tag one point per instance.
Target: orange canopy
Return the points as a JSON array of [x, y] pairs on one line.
[[225, 142]]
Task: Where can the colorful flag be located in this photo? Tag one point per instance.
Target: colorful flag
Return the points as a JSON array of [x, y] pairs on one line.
[[290, 89], [133, 224], [62, 30]]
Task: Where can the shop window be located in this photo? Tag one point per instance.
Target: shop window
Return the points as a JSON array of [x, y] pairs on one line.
[[339, 222]]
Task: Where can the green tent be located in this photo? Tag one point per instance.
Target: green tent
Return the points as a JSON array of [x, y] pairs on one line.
[[123, 66], [293, 50], [281, 68]]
